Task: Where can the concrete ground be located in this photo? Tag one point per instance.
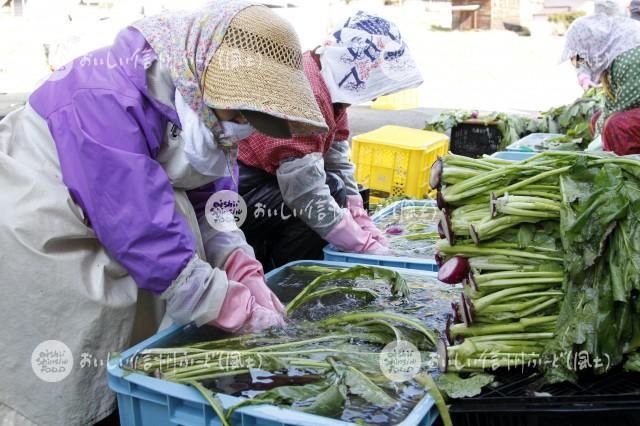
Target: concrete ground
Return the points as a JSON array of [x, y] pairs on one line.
[[487, 70], [363, 119]]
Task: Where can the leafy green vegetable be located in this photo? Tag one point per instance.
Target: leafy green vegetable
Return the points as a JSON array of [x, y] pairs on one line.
[[398, 284], [558, 256], [573, 120], [633, 363], [388, 316], [455, 386], [363, 293], [427, 382], [213, 401], [332, 359], [359, 384]]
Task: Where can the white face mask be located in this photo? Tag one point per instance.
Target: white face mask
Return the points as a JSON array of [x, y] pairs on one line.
[[205, 153], [232, 133]]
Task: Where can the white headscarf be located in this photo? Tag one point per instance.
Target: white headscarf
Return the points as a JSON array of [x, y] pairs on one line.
[[599, 40], [364, 58], [608, 7]]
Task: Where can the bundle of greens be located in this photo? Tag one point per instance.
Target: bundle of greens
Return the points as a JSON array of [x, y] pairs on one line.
[[329, 359], [411, 229], [548, 252], [573, 120]]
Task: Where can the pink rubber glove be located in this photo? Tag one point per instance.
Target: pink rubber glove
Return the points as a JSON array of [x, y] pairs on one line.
[[245, 269], [360, 215], [236, 308], [241, 313], [348, 236], [585, 82]]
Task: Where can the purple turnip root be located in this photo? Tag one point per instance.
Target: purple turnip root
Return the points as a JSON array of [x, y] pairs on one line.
[[474, 234], [445, 223], [435, 175], [492, 205], [443, 355], [455, 308], [440, 259], [441, 230], [447, 330], [395, 229], [454, 270], [466, 311], [472, 281], [440, 201]]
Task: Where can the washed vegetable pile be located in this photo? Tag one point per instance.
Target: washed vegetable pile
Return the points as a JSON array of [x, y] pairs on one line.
[[411, 229], [548, 250], [329, 359], [573, 121]]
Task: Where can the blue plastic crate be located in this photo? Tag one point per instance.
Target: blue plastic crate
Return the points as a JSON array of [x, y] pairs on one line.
[[513, 155], [148, 401], [534, 143], [333, 255]]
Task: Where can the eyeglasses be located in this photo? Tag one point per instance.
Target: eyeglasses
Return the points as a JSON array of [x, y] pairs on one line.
[[577, 60]]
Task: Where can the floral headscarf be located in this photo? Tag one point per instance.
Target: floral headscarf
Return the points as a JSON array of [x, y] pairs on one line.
[[185, 43], [598, 40]]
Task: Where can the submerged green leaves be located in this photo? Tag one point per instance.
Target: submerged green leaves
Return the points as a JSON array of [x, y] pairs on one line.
[[333, 359], [398, 284]]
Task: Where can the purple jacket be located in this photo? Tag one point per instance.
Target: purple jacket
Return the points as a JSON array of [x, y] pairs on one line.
[[108, 131]]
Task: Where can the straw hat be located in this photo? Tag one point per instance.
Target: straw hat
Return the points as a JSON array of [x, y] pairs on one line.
[[258, 67]]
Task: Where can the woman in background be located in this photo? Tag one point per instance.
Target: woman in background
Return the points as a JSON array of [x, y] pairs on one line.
[[296, 187], [605, 49]]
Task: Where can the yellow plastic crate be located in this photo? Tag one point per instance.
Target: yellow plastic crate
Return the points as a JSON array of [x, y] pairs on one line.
[[395, 160], [406, 99]]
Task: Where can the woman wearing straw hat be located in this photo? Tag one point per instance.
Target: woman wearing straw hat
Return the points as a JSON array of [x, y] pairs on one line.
[[103, 175], [296, 187]]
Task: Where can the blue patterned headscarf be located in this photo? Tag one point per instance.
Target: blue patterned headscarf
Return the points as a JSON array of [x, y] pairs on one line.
[[365, 57]]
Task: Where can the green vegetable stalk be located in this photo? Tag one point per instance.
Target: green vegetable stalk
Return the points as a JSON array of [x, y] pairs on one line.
[[328, 361], [556, 260]]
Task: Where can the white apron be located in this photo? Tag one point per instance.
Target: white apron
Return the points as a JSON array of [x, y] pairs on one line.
[[57, 282]]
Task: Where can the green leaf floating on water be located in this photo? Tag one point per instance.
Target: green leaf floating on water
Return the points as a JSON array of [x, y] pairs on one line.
[[361, 293], [329, 402], [455, 386], [326, 397], [360, 385], [363, 317], [398, 284]]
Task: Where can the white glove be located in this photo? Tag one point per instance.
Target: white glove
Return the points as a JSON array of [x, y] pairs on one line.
[[196, 294]]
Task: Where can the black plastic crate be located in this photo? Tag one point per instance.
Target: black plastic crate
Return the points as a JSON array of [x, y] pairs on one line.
[[475, 138], [525, 400]]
